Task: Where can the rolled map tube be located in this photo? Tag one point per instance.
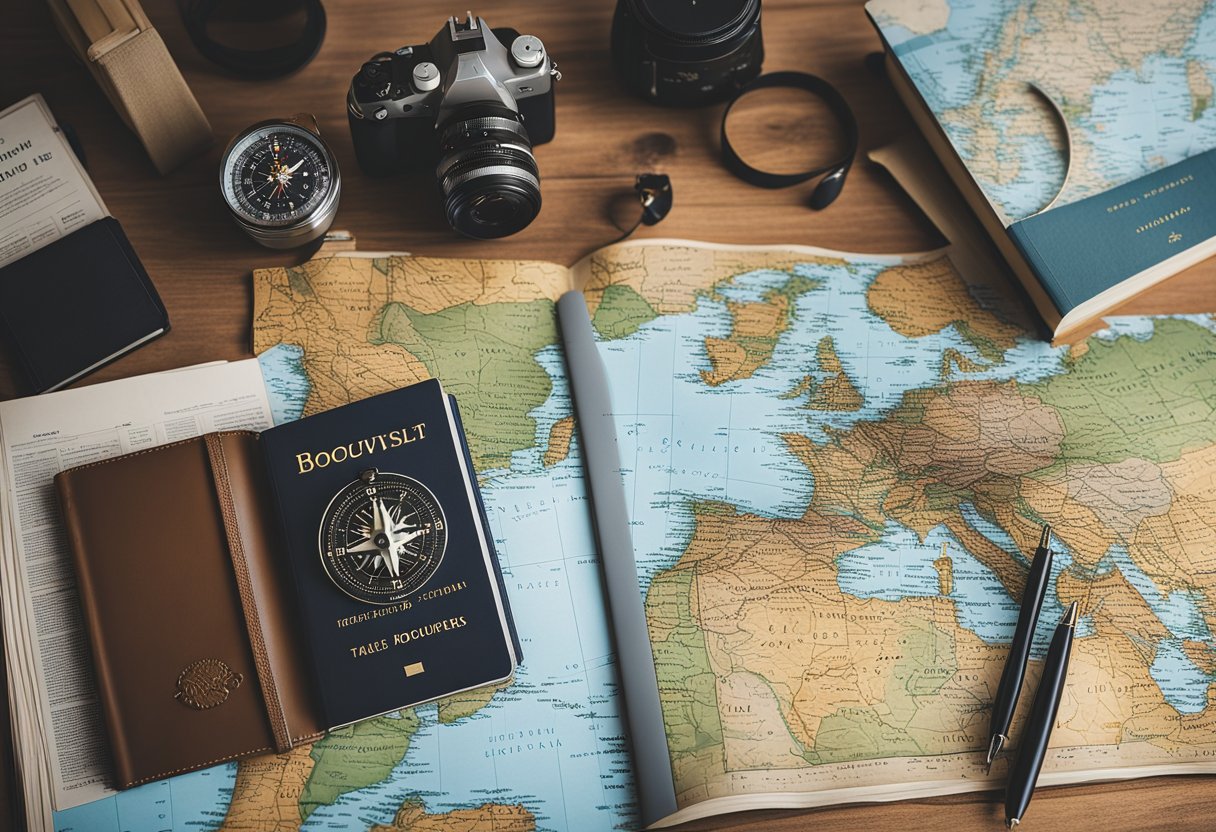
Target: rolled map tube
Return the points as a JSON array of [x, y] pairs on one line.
[[602, 460]]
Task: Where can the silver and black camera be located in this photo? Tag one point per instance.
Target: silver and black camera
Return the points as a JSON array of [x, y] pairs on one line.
[[472, 103]]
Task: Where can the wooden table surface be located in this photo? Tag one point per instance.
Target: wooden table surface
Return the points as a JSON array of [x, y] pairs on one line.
[[201, 262]]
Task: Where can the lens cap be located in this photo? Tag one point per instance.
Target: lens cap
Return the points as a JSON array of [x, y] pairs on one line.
[[498, 206], [705, 22]]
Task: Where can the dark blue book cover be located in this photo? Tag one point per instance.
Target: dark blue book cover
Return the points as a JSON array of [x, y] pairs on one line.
[[386, 542]]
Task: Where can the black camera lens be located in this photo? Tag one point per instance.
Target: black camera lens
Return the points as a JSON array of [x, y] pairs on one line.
[[684, 54], [488, 175]]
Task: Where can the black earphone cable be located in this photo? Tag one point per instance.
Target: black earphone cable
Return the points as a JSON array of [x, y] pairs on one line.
[[830, 186]]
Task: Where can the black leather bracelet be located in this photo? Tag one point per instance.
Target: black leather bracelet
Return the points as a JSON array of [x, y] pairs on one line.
[[829, 188], [256, 63]]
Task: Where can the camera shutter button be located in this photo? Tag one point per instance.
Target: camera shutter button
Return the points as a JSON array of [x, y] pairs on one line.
[[528, 51], [426, 76]]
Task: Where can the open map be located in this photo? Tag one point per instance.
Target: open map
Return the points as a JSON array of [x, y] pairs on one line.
[[1135, 79], [836, 465]]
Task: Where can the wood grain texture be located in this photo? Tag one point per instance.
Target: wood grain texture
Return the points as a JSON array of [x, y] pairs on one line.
[[201, 262]]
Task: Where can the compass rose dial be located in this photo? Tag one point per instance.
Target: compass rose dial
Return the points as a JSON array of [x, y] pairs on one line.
[[382, 537]]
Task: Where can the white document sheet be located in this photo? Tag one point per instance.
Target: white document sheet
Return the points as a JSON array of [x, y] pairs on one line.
[[44, 192], [60, 740]]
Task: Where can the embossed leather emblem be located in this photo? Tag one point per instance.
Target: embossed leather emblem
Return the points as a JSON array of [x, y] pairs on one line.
[[206, 683]]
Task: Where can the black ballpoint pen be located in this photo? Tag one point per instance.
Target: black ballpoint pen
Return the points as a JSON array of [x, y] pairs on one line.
[[1033, 745], [1019, 649]]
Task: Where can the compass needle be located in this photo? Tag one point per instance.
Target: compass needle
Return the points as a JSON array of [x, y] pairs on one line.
[[386, 523], [281, 183]]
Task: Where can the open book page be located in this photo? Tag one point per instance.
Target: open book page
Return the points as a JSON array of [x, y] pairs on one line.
[[63, 749], [549, 749], [836, 464], [44, 192]]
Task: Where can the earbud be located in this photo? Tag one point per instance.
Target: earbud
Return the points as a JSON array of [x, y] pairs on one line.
[[654, 191], [829, 188]]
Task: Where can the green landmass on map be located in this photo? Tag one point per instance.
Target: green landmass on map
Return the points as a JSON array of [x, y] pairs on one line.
[[621, 312], [486, 357], [356, 757], [1101, 399]]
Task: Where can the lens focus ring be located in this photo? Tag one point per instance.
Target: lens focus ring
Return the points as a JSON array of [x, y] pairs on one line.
[[488, 175], [471, 126], [461, 167]]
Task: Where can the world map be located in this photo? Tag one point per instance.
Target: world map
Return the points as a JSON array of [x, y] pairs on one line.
[[836, 465], [1135, 81]]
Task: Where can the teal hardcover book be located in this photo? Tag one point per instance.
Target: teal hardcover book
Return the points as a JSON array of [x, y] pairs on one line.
[[1086, 248], [1081, 134]]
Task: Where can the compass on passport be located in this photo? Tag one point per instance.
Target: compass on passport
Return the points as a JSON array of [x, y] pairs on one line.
[[382, 537]]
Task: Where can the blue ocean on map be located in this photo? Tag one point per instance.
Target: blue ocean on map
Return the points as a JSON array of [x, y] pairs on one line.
[[194, 801], [1138, 117], [1184, 685], [286, 382], [902, 566]]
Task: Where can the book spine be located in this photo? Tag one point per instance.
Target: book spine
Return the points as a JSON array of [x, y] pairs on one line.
[[1040, 266], [124, 770], [246, 590]]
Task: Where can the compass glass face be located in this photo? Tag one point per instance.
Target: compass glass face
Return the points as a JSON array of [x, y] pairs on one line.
[[277, 175], [382, 537]]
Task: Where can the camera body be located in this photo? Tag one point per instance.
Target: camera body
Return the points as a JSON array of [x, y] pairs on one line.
[[471, 104], [397, 110], [686, 54]]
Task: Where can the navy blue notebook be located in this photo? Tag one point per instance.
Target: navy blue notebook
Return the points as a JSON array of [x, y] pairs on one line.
[[76, 305], [388, 546]]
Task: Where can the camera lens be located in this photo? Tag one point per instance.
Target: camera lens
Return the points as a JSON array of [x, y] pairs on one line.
[[687, 55], [489, 177]]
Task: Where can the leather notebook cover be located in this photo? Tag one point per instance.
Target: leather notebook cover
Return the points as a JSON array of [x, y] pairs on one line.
[[192, 628], [77, 304]]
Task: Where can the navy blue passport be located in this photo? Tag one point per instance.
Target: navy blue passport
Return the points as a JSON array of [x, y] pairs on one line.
[[390, 626]]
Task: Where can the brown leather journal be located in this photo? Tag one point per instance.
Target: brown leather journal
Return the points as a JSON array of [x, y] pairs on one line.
[[178, 567]]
